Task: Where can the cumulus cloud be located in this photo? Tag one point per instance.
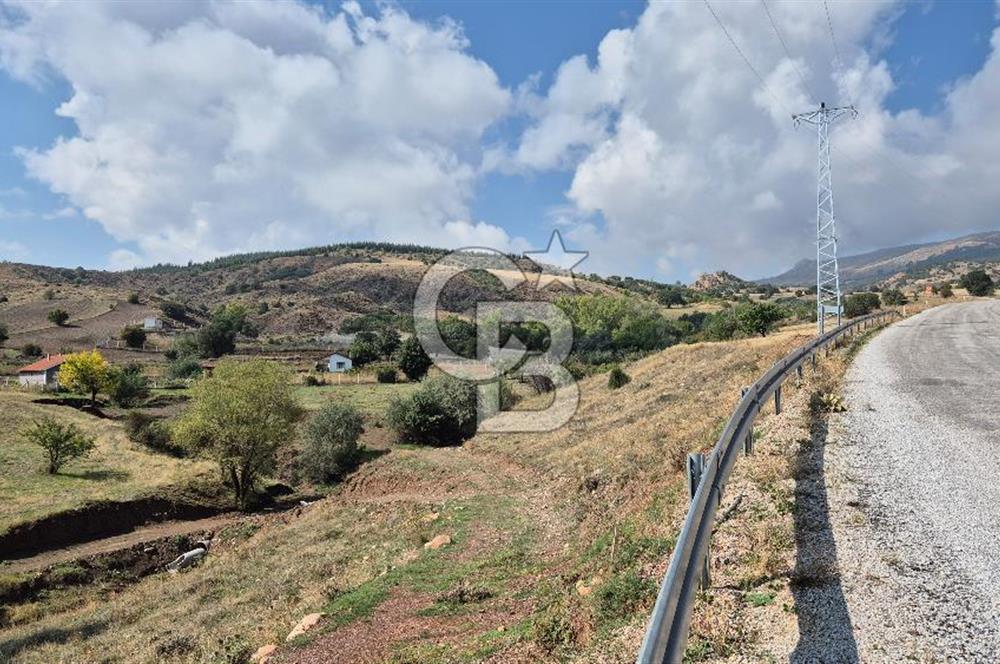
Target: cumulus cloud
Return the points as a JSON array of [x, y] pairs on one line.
[[683, 160], [209, 127]]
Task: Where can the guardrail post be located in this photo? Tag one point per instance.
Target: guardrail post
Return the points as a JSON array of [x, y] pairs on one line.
[[696, 469], [748, 441], [799, 372], [777, 400]]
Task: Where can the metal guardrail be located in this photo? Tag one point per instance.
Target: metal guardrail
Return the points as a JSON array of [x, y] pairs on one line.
[[666, 635]]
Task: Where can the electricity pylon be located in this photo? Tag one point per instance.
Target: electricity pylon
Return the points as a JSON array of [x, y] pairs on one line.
[[827, 273]]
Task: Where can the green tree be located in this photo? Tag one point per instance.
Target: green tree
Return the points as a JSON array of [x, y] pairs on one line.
[[331, 442], [758, 317], [184, 367], [441, 412], [945, 291], [977, 283], [388, 341], [670, 297], [31, 350], [86, 372], [133, 336], [218, 337], [58, 317], [364, 349], [860, 304], [133, 298], [459, 335], [241, 416], [127, 386], [61, 442], [893, 297], [412, 359]]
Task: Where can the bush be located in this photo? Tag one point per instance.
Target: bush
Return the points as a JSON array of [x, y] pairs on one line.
[[49, 294], [412, 359], [441, 412], [860, 304], [331, 442], [3, 333], [618, 378], [58, 317], [127, 387], [893, 297], [386, 373], [134, 336], [61, 442], [31, 350], [977, 283], [313, 380], [151, 432], [174, 310], [133, 298], [185, 367], [944, 290]]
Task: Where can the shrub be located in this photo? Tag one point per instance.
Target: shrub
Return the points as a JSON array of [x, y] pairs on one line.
[[622, 596], [893, 297], [825, 402], [133, 298], [3, 298], [618, 378], [31, 350], [174, 310], [133, 336], [185, 367], [978, 283], [441, 412], [3, 333], [860, 304], [331, 442], [61, 442], [49, 294], [127, 386], [385, 373], [412, 359], [58, 317], [721, 326], [151, 432], [944, 290], [312, 380]]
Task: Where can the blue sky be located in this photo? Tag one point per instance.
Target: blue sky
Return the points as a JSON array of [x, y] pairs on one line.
[[929, 47]]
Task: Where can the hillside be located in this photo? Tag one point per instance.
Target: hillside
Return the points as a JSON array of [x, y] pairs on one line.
[[307, 292], [909, 261]]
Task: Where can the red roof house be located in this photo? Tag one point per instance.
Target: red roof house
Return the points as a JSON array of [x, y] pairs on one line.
[[43, 373]]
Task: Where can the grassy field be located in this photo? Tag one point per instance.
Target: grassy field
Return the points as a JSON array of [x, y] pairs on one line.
[[116, 470], [370, 398]]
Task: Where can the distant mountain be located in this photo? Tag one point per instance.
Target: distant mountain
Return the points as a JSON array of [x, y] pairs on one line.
[[913, 260]]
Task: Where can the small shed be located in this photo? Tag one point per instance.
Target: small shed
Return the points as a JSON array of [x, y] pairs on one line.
[[338, 363], [152, 324], [43, 373]]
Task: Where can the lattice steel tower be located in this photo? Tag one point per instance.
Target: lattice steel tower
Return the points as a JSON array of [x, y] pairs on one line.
[[827, 273]]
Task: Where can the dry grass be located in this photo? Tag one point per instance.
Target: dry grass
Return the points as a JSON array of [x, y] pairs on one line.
[[535, 518], [116, 470]]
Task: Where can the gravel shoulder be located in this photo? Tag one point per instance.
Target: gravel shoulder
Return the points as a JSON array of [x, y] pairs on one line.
[[911, 475]]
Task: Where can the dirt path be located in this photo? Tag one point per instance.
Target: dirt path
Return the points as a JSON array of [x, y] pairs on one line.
[[109, 544]]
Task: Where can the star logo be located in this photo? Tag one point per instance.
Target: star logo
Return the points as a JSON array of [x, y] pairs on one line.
[[556, 262]]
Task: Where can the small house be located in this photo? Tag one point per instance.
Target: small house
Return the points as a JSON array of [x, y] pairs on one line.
[[338, 363], [43, 373], [152, 324]]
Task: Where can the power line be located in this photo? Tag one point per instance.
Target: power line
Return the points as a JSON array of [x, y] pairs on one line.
[[833, 36], [746, 60], [784, 46]]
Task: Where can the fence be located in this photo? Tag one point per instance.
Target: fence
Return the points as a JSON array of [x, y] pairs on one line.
[[667, 632]]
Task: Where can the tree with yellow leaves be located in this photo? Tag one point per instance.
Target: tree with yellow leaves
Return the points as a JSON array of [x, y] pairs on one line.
[[86, 372]]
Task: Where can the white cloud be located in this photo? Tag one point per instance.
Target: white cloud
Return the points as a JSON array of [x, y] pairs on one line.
[[699, 166], [13, 251], [211, 127]]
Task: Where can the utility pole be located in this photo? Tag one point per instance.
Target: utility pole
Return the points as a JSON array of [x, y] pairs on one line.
[[827, 273]]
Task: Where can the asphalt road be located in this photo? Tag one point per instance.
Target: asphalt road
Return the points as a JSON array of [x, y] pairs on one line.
[[913, 477]]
